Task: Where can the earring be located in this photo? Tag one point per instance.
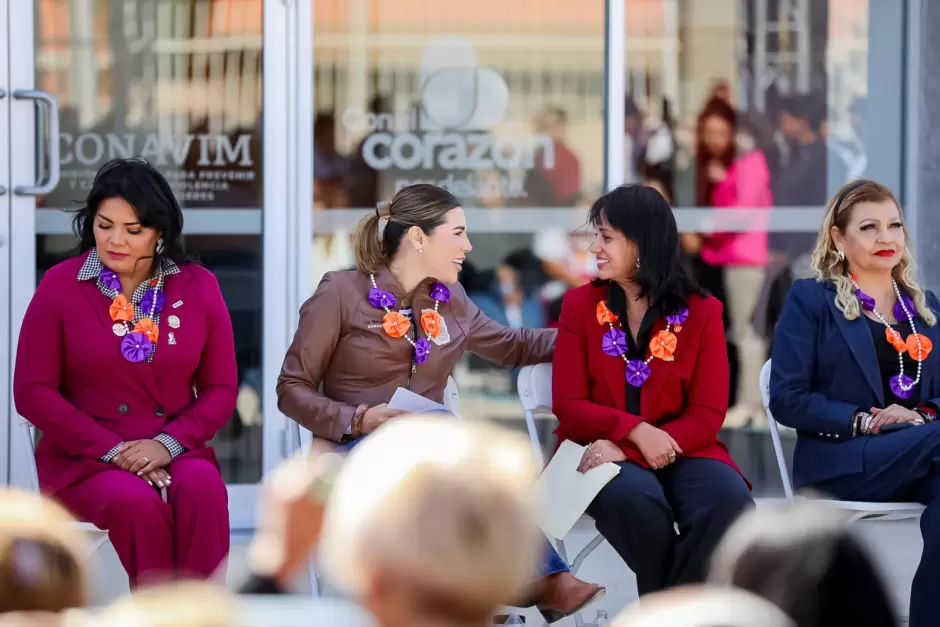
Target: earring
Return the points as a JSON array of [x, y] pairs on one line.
[[841, 254], [638, 263], [420, 250], [160, 246]]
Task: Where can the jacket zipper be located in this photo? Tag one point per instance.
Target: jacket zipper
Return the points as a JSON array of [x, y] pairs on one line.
[[411, 372]]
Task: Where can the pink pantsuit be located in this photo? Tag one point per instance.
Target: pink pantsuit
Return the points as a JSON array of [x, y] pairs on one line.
[[72, 382]]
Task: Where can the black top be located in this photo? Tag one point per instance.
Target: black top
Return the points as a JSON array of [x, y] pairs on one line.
[[636, 347], [888, 365]]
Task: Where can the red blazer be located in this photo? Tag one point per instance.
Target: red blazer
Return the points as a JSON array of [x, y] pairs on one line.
[[687, 398], [72, 383]]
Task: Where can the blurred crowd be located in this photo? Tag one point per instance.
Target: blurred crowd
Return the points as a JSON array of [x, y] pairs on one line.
[[440, 532]]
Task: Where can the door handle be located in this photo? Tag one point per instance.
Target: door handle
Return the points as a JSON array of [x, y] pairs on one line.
[[52, 178]]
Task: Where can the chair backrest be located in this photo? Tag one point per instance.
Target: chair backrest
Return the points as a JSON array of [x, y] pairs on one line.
[[535, 393], [775, 432], [298, 438], [28, 442]]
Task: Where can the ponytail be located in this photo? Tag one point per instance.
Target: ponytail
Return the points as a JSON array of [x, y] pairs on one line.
[[370, 251]]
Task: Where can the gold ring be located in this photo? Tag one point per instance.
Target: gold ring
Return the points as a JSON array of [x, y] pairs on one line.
[[145, 459], [672, 455]]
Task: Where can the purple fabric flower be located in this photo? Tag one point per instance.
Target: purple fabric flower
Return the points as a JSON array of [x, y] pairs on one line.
[[153, 298], [615, 342], [380, 299], [906, 381], [868, 303], [110, 279], [440, 292], [637, 372], [136, 347], [422, 350], [899, 310], [679, 317]]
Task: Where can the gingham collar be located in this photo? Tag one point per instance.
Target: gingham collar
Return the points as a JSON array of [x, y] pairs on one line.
[[92, 267]]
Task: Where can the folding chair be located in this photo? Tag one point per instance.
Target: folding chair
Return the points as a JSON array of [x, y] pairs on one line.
[[535, 394], [300, 439], [857, 510], [28, 439]]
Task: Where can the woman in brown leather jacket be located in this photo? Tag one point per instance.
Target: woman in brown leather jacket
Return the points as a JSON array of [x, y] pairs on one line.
[[402, 320]]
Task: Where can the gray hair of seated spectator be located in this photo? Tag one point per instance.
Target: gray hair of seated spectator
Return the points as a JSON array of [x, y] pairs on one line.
[[441, 508], [809, 563], [178, 604], [420, 206], [703, 606], [41, 555]]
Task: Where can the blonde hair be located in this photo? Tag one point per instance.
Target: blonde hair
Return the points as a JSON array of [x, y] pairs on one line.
[[179, 604], [40, 555], [442, 505], [420, 205], [828, 266]]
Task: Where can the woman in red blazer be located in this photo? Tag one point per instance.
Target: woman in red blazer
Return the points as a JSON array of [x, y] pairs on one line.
[[126, 363], [641, 376]]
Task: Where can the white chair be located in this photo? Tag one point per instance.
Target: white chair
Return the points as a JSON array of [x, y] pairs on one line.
[[28, 440], [857, 510], [300, 439], [535, 393]]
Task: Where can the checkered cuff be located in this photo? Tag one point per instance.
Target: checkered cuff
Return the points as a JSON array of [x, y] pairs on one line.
[[176, 449], [107, 457]]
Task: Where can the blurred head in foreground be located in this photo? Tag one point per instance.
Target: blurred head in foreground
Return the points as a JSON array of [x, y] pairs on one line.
[[180, 604], [430, 522], [702, 606], [40, 555], [807, 562]]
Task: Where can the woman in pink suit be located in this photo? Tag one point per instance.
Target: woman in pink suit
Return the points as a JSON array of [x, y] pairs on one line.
[[126, 363]]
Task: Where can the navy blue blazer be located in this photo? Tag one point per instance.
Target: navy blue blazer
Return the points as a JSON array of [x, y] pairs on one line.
[[824, 369]]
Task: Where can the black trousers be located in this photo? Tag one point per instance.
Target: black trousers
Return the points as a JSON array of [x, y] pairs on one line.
[[638, 511]]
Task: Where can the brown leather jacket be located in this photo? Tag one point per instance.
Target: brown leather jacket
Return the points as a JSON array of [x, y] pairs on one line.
[[341, 349]]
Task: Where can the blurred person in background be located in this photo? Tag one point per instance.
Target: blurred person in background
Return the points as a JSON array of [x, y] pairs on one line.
[[806, 561], [853, 372], [42, 556], [558, 183], [126, 363], [701, 606], [641, 378], [401, 319], [330, 168], [733, 175]]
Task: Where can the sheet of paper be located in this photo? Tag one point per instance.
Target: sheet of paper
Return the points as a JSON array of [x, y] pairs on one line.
[[563, 493], [415, 403]]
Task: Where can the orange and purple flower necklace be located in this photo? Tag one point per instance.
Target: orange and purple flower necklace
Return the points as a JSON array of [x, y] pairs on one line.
[[916, 344], [663, 345], [139, 340], [396, 324]]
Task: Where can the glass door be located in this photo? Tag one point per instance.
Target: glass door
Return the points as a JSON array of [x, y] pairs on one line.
[[186, 84], [6, 265]]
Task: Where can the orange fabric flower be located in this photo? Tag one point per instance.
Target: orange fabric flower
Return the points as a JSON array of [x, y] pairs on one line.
[[148, 328], [605, 315], [121, 310], [925, 346], [894, 339], [395, 324], [431, 323], [663, 345]]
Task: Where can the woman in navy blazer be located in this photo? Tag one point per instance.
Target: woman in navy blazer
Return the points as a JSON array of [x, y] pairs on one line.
[[854, 374]]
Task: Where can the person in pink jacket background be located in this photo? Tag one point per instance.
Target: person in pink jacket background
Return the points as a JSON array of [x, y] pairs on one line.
[[126, 363], [735, 180]]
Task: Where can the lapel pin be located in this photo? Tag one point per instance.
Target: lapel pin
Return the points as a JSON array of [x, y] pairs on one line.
[[119, 329], [177, 304], [174, 322], [171, 338]]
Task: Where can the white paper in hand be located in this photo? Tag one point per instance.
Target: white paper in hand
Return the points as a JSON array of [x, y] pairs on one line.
[[408, 401], [564, 494]]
